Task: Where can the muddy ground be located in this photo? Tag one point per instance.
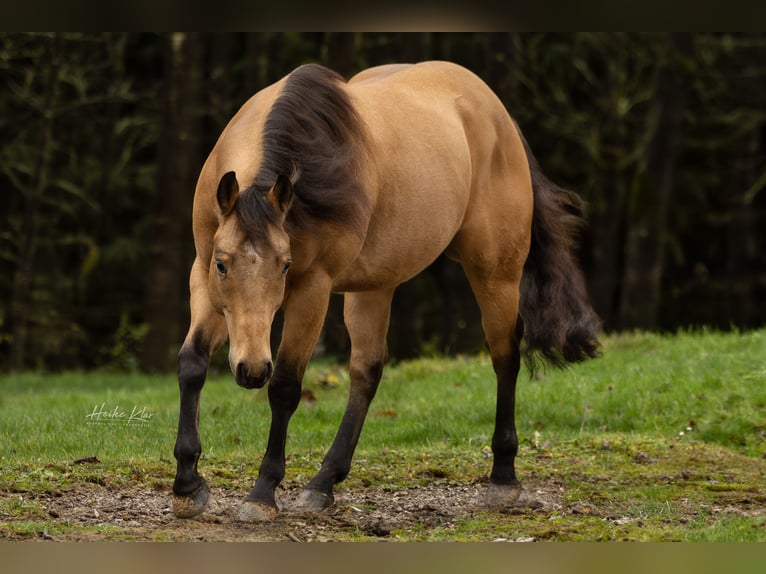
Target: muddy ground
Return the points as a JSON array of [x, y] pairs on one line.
[[660, 491], [87, 512], [143, 513]]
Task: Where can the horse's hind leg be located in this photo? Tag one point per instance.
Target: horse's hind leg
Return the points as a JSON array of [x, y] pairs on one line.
[[498, 298], [366, 316], [206, 333]]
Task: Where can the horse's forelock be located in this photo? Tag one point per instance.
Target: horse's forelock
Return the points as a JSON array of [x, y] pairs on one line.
[[255, 213]]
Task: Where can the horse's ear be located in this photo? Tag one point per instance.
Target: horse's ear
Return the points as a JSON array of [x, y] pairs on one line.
[[281, 195], [228, 192]]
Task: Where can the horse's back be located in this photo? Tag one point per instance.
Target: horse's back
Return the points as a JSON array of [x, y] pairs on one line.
[[446, 121], [432, 75]]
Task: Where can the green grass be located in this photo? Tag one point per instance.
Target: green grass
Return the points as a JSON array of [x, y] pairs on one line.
[[618, 432]]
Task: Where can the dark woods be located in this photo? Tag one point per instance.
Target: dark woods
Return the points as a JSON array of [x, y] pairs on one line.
[[103, 136]]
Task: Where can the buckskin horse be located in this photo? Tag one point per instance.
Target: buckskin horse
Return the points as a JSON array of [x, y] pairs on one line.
[[318, 185]]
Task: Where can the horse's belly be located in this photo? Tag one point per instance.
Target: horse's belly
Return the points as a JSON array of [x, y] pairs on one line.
[[399, 247]]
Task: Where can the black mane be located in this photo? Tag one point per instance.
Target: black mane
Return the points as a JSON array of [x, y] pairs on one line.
[[312, 135]]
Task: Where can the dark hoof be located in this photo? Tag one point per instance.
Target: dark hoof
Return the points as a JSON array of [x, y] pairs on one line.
[[314, 500], [502, 496], [251, 511], [189, 506]]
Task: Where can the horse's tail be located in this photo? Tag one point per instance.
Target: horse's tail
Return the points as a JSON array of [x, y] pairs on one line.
[[560, 326]]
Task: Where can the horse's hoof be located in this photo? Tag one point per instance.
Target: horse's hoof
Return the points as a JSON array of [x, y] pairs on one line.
[[502, 496], [314, 500], [189, 506], [251, 511]]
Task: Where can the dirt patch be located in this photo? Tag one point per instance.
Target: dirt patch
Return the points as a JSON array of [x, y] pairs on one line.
[[599, 490], [95, 512]]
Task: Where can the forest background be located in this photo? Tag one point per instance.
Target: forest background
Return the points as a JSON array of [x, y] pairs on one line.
[[102, 137]]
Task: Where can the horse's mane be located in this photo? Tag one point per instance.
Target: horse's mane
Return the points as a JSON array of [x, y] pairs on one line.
[[312, 135]]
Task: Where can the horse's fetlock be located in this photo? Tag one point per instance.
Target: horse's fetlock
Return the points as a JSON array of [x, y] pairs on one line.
[[187, 450], [505, 449]]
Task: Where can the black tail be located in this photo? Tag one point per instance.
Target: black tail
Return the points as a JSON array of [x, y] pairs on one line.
[[560, 326]]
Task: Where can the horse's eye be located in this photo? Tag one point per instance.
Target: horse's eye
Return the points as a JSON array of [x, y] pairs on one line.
[[220, 266], [286, 266]]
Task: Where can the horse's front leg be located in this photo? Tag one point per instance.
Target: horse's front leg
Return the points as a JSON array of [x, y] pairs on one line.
[[366, 316], [206, 333], [305, 307]]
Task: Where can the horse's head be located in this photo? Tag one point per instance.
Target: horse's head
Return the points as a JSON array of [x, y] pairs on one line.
[[251, 256]]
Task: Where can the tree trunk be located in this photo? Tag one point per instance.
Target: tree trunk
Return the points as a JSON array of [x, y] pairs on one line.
[[178, 167], [24, 277], [503, 49], [650, 199], [414, 46], [604, 230], [341, 52], [741, 302], [219, 107], [405, 331], [256, 65], [738, 303]]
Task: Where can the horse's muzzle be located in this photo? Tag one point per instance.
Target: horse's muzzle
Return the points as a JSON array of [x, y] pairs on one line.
[[250, 379]]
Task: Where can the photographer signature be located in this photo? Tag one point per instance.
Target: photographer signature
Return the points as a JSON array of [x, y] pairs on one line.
[[101, 414]]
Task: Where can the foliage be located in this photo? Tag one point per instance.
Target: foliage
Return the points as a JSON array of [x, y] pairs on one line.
[[90, 201]]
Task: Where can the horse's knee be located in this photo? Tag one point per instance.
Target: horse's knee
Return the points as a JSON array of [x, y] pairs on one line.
[[192, 368], [284, 391]]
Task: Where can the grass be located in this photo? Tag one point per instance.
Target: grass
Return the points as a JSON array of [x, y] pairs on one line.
[[658, 425]]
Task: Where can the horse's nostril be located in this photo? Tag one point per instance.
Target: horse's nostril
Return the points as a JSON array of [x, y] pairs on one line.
[[251, 378], [242, 371]]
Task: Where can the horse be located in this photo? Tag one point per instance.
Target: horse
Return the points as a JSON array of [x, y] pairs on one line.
[[320, 185]]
